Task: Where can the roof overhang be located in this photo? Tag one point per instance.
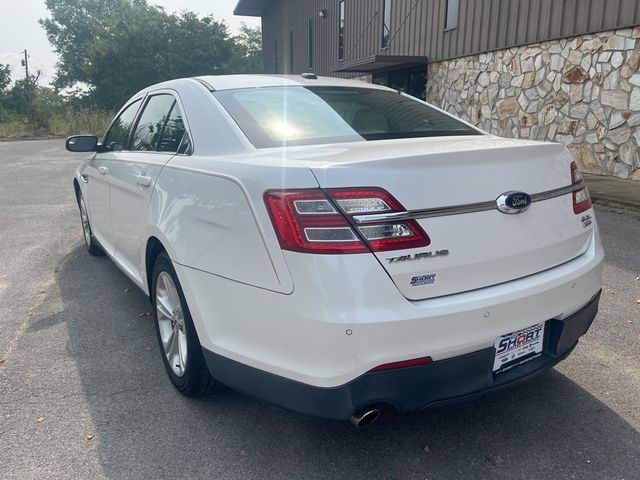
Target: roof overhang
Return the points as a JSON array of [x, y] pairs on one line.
[[251, 8], [379, 62]]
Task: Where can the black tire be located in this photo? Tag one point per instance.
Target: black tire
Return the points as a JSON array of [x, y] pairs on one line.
[[93, 247], [195, 380]]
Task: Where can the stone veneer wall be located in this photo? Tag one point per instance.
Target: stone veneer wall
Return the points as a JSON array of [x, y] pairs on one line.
[[583, 92]]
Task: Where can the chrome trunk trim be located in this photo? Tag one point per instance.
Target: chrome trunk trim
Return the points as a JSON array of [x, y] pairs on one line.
[[460, 209]]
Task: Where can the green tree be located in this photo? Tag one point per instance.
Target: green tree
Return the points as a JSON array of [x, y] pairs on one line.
[[5, 77], [28, 108], [73, 31], [33, 103], [20, 97], [118, 47], [247, 51], [5, 81]]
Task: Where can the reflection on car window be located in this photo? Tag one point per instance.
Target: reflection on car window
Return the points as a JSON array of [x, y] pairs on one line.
[[116, 137], [172, 132], [152, 122], [185, 146], [278, 116], [272, 116]]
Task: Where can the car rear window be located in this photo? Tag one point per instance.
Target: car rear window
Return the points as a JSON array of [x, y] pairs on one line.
[[276, 116]]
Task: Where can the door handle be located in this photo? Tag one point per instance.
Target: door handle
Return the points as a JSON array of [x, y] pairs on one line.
[[103, 170], [143, 180]]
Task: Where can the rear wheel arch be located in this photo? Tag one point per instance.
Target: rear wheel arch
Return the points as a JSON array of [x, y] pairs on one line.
[[190, 376], [153, 250]]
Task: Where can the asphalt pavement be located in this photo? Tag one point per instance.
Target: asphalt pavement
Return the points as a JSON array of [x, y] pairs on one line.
[[83, 393], [614, 192]]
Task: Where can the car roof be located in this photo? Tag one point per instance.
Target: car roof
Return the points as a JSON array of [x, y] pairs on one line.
[[230, 82]]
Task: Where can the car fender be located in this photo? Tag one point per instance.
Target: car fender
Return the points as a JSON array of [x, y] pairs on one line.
[[152, 231], [80, 179]]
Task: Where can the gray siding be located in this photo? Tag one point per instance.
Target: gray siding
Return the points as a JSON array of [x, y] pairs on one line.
[[485, 25], [417, 27], [291, 15]]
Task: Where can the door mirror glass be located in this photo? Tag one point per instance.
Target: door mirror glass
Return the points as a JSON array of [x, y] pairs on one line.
[[82, 143]]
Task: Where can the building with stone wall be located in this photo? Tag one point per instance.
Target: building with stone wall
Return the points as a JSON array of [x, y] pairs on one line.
[[566, 71], [583, 92]]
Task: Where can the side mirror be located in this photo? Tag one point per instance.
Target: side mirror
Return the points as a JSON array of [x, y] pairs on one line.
[[82, 143]]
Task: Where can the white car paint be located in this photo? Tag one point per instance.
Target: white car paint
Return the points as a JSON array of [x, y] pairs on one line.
[[324, 320]]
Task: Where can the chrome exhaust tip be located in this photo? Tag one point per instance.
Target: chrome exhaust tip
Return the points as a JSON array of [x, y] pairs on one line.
[[365, 417]]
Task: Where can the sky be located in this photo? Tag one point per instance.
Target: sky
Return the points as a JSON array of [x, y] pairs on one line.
[[19, 29]]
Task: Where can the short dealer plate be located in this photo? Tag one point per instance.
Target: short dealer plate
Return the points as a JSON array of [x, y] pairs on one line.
[[518, 347]]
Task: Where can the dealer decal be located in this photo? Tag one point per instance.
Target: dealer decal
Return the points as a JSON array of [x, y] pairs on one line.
[[419, 280], [523, 338]]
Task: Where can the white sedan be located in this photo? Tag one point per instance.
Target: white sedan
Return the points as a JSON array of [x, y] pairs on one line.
[[339, 248]]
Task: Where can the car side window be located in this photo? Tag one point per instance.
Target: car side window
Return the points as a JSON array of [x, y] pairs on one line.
[[185, 145], [173, 131], [152, 122], [116, 137]]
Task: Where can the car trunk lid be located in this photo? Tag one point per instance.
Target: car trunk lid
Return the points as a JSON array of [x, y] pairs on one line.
[[482, 246]]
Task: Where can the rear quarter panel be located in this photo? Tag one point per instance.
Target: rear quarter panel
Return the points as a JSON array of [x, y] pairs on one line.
[[211, 212]]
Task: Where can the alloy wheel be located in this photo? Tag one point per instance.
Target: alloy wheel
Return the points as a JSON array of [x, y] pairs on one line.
[[84, 217], [171, 323]]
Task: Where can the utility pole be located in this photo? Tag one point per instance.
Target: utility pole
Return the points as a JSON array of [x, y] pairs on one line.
[[25, 64]]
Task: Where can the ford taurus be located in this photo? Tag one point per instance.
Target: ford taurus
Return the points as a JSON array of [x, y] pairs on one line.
[[339, 248]]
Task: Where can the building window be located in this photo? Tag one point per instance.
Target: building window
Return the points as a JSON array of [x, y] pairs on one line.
[[291, 51], [409, 80], [451, 14], [386, 23], [341, 32], [276, 52], [310, 44]]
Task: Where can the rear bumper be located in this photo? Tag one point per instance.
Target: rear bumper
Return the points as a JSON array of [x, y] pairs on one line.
[[345, 315], [442, 382]]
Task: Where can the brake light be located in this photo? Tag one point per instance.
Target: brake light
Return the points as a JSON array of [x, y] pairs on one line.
[[384, 236], [305, 221], [310, 221], [581, 198]]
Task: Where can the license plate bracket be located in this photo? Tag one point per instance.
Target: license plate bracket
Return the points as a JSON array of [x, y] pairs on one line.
[[518, 347]]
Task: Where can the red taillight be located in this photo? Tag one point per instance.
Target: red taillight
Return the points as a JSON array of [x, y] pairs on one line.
[[402, 364], [309, 221], [383, 236], [305, 221], [581, 198]]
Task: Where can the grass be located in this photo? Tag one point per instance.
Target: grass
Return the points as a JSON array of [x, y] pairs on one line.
[[91, 121]]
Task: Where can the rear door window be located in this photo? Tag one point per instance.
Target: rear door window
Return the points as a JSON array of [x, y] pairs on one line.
[[152, 122], [173, 131]]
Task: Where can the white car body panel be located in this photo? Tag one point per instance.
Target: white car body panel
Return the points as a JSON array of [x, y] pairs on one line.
[[228, 237], [129, 199], [324, 320], [437, 172], [313, 346], [96, 171]]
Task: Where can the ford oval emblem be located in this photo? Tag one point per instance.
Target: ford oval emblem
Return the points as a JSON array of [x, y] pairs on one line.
[[513, 202]]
